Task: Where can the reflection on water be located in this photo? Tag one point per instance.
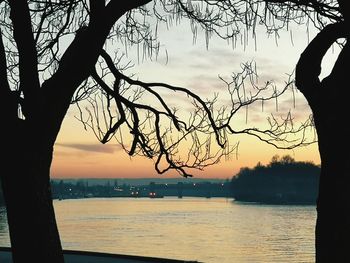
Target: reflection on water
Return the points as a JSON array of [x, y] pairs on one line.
[[208, 230]]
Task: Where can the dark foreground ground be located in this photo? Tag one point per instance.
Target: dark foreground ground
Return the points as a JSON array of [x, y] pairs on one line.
[[93, 257]]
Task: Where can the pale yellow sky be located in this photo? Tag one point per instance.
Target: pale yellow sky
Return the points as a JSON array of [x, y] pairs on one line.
[[79, 154]]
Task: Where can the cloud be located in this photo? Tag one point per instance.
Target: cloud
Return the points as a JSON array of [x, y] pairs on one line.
[[99, 148]]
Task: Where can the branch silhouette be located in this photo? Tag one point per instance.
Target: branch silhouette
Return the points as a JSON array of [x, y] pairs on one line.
[[119, 105]]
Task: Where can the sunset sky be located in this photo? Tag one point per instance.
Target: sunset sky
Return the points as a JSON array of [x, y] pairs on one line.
[[79, 154]]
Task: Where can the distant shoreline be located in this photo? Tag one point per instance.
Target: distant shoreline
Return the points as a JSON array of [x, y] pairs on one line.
[[142, 180], [275, 203], [142, 197], [243, 202]]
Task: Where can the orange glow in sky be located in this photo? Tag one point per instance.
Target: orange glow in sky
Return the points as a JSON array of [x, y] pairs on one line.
[[79, 154]]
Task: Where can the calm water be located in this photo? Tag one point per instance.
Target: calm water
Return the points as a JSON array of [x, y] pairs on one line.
[[209, 230]]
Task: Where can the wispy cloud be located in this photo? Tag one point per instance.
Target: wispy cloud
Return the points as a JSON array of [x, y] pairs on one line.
[[100, 148]]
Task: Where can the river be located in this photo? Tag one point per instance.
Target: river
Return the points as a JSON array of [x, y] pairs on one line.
[[215, 230]]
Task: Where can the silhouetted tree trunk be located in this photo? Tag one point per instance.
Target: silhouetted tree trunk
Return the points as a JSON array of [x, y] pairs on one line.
[[28, 143], [329, 101], [33, 231]]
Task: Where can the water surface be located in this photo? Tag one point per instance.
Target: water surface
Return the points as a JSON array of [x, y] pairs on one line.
[[208, 230]]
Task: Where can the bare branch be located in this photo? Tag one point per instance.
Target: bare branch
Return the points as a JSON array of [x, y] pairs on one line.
[[309, 64], [28, 63], [146, 123], [115, 104]]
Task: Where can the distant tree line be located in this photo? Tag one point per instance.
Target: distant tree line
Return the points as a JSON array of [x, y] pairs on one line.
[[282, 181]]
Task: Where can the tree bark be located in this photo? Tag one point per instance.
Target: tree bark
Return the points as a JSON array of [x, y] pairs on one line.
[[328, 100], [333, 220], [26, 187], [28, 144]]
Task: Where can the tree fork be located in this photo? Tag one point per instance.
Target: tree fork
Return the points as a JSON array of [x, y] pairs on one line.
[[333, 221]]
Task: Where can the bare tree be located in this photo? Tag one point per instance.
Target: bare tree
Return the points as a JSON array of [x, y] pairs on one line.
[[38, 80], [48, 63], [327, 98]]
